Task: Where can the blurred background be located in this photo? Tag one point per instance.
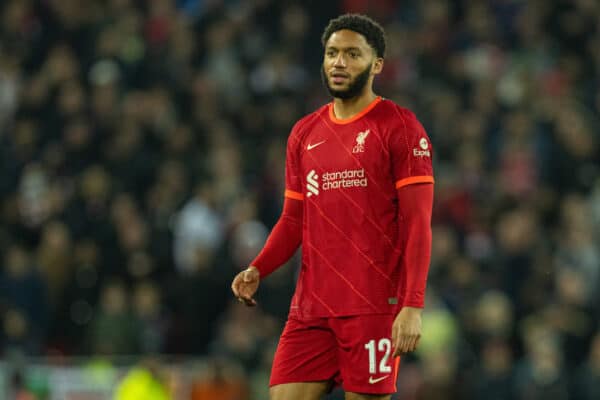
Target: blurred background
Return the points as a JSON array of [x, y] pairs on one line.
[[142, 149]]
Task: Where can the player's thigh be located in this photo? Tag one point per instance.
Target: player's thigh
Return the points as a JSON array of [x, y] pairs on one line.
[[299, 391], [365, 351], [307, 352], [358, 396]]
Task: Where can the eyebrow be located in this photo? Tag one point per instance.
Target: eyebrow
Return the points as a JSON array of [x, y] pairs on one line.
[[345, 48]]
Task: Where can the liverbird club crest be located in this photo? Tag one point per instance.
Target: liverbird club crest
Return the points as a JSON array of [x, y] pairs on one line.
[[360, 141]]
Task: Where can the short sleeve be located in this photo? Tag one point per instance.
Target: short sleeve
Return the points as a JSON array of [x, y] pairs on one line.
[[410, 151], [293, 176]]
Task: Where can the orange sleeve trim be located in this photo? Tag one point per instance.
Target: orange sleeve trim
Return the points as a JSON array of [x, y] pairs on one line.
[[414, 179], [293, 195], [357, 116]]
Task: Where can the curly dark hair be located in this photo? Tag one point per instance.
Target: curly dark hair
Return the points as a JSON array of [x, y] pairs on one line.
[[371, 30]]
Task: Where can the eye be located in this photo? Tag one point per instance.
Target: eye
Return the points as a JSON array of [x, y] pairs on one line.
[[330, 53], [354, 54]]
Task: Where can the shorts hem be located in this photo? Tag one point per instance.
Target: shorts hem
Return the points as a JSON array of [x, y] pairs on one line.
[[308, 380], [363, 390]]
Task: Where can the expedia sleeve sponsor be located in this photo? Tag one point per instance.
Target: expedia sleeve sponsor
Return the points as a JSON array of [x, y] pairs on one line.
[[424, 150], [421, 153]]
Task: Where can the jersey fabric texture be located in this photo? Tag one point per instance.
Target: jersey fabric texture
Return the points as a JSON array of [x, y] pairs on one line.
[[347, 173]]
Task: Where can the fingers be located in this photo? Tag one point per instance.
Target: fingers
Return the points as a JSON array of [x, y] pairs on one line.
[[235, 286], [417, 340], [405, 343], [395, 339], [242, 287], [401, 345], [250, 302], [412, 343], [247, 300]]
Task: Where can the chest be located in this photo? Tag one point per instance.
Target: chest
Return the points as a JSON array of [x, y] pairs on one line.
[[333, 149]]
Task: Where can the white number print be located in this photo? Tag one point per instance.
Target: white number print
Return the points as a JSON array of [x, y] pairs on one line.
[[383, 346]]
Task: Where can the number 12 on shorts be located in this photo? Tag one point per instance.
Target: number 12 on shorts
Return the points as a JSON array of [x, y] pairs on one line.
[[384, 345]]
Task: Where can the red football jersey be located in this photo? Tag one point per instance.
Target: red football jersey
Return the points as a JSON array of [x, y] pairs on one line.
[[347, 173]]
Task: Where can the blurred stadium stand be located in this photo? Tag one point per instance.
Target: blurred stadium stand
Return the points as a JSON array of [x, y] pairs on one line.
[[142, 150]]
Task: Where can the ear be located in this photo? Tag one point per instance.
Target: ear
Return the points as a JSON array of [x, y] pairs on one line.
[[377, 66]]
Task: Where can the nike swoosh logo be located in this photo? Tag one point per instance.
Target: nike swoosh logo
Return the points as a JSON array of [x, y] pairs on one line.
[[312, 146], [375, 380]]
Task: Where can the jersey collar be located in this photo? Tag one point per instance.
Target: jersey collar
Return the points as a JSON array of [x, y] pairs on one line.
[[368, 108]]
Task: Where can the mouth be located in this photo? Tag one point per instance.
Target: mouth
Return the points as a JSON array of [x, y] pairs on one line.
[[339, 77]]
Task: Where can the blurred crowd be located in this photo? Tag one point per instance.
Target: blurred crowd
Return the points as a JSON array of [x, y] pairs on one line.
[[142, 149]]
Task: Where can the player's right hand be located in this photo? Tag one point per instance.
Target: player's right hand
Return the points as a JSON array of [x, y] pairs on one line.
[[245, 284]]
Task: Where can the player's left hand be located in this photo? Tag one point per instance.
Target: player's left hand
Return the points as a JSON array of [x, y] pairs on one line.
[[406, 330]]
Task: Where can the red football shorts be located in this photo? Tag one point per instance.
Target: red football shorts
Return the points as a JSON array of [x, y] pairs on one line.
[[354, 352]]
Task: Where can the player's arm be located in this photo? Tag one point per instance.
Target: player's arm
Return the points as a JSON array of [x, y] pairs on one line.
[[280, 246], [411, 157], [284, 239], [416, 203]]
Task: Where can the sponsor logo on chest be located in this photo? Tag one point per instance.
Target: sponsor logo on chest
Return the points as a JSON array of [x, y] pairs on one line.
[[332, 180]]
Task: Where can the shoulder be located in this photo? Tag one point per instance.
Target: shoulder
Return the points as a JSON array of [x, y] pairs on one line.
[[396, 114], [307, 123], [311, 119], [401, 121]]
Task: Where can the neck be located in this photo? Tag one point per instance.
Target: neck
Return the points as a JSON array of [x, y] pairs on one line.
[[348, 108]]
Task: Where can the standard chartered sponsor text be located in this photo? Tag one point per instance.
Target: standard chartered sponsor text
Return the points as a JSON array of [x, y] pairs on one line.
[[344, 179]]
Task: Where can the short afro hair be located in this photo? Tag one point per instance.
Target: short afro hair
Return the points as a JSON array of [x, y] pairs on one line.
[[371, 30]]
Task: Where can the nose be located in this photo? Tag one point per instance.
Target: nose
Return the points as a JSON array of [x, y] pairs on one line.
[[340, 60]]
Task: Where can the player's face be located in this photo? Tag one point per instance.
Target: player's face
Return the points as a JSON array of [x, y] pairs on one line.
[[349, 64]]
